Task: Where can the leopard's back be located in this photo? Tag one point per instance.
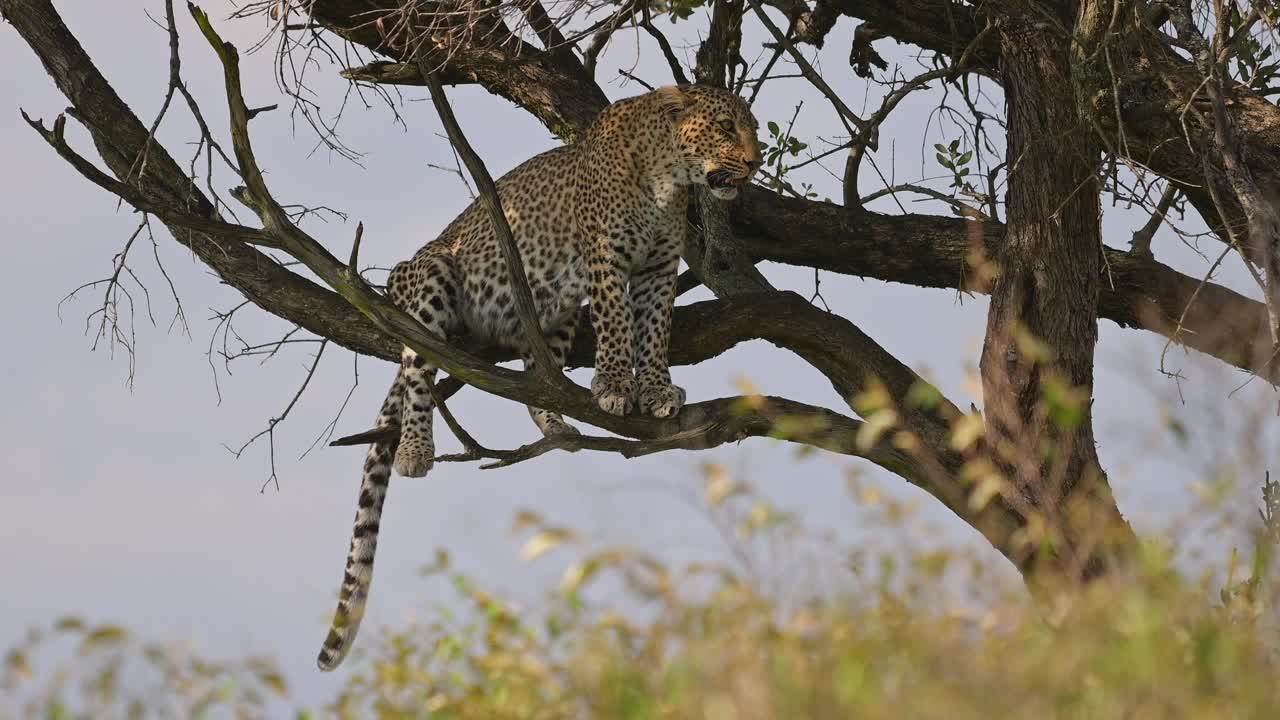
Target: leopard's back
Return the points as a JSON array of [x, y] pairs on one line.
[[538, 202]]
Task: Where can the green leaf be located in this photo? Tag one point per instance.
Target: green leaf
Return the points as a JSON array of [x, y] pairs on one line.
[[773, 128], [965, 158], [940, 147], [955, 145], [945, 162]]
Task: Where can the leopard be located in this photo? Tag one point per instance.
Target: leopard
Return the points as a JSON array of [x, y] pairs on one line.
[[603, 220]]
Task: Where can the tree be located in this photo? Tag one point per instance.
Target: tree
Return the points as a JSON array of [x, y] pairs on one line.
[[1157, 103]]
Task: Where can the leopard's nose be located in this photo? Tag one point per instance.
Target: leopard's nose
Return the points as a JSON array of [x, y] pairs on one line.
[[753, 165]]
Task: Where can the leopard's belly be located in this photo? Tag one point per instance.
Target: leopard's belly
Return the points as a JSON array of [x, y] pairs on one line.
[[558, 280]]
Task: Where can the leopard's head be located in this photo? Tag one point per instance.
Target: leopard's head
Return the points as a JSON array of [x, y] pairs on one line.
[[715, 136]]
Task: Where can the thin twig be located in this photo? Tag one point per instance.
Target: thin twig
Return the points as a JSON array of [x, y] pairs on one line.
[[270, 430]]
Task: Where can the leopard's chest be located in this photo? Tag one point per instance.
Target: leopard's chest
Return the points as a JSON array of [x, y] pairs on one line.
[[640, 222]]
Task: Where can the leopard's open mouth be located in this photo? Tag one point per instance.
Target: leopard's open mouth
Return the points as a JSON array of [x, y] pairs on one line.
[[723, 179]]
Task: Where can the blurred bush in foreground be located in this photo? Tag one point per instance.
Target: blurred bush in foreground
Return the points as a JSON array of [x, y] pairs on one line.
[[708, 642]]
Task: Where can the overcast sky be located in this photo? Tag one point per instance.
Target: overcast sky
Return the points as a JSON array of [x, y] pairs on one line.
[[121, 503]]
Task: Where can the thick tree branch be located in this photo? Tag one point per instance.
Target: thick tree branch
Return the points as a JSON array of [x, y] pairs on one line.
[[386, 72], [942, 26], [532, 78], [933, 251]]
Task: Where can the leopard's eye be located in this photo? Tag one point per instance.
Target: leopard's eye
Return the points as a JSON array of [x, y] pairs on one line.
[[727, 125]]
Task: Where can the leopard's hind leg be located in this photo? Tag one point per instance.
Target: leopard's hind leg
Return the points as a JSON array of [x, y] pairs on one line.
[[559, 339], [426, 287]]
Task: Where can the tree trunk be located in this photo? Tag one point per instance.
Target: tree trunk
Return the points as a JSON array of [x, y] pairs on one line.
[[1037, 359]]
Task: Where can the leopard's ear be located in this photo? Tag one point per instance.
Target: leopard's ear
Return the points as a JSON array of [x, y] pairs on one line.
[[675, 99]]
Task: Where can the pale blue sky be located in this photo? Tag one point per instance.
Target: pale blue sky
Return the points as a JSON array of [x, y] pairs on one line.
[[122, 504]]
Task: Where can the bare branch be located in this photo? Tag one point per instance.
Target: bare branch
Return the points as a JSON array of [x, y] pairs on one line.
[[137, 198], [868, 134], [326, 434], [1141, 242], [964, 210], [677, 71], [353, 263], [602, 36], [847, 116], [384, 72], [108, 312], [699, 426], [544, 365]]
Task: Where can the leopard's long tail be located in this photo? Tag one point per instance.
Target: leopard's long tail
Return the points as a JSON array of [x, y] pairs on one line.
[[364, 536]]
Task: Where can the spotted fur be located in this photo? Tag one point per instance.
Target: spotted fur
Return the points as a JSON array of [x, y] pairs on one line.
[[602, 219]]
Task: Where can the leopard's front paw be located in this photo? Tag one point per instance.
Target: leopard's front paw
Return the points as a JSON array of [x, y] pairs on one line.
[[661, 400], [614, 393]]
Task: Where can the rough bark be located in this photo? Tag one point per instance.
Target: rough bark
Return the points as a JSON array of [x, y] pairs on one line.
[[942, 26], [938, 252], [560, 94], [1037, 358]]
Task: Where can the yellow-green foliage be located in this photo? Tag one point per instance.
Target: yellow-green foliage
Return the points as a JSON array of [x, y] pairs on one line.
[[1154, 647], [103, 671], [624, 636]]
